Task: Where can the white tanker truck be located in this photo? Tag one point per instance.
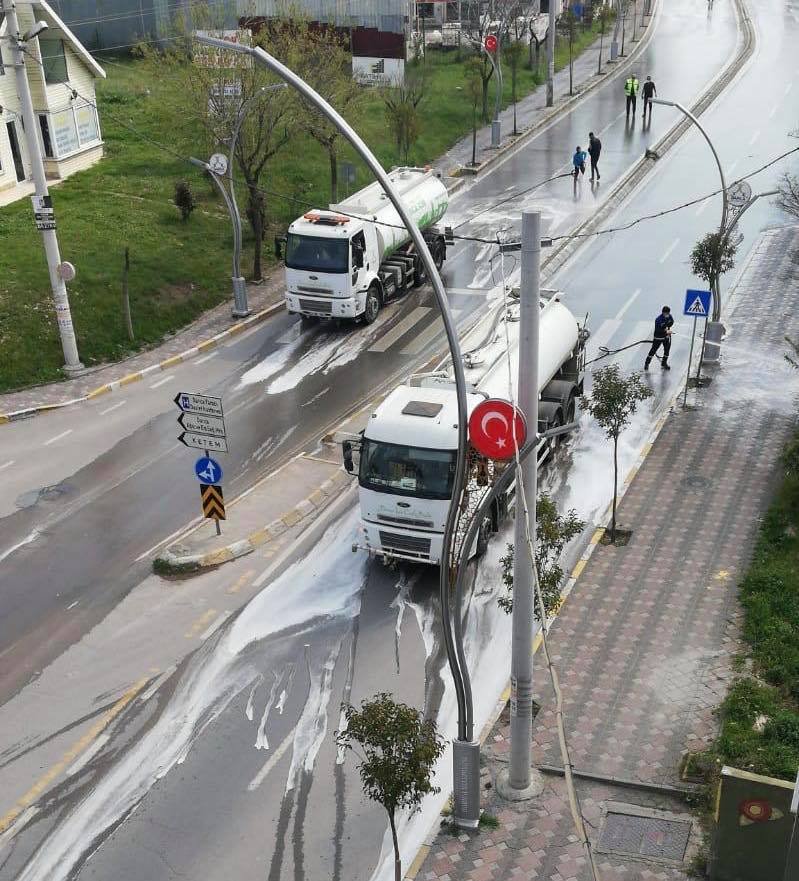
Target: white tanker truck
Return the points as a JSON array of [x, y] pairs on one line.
[[406, 454], [347, 261]]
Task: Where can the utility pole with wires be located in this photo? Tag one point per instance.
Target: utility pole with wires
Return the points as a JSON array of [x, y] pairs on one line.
[[43, 209], [519, 781]]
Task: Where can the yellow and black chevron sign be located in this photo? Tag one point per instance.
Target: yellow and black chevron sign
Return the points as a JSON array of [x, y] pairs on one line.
[[213, 502]]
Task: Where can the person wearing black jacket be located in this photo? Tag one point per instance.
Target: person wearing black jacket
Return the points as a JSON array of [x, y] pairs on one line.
[[594, 149], [663, 325]]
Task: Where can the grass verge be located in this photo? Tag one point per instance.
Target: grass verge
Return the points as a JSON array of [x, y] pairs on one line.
[[178, 269]]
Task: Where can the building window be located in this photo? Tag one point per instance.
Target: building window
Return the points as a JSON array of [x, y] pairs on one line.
[[68, 131], [54, 60]]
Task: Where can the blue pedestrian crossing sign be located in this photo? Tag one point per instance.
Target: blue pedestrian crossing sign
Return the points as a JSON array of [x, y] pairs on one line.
[[208, 470], [697, 304]]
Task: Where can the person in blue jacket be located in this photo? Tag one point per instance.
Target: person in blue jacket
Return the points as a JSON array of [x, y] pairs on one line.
[[663, 325], [578, 160]]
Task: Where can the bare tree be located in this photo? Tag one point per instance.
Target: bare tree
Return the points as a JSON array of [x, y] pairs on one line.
[[788, 198]]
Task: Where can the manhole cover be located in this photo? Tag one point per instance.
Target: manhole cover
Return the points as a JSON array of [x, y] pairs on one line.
[[639, 836], [696, 481]]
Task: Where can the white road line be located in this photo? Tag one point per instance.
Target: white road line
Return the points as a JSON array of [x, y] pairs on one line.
[[18, 825], [606, 330], [58, 437], [161, 382], [90, 753], [667, 252], [612, 123], [32, 536], [400, 329], [112, 408], [422, 339], [146, 695], [272, 761], [788, 88], [774, 109], [629, 303], [731, 167], [206, 358], [704, 205], [754, 137], [470, 292], [7, 464], [72, 605], [217, 622]]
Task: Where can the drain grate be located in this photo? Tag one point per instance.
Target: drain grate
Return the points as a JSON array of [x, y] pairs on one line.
[[645, 836]]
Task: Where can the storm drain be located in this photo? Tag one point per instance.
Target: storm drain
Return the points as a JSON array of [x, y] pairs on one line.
[[644, 835]]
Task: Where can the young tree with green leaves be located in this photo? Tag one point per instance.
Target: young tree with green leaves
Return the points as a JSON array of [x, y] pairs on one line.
[[604, 17], [567, 26], [711, 257], [613, 400], [397, 750], [553, 532], [513, 53], [474, 91], [402, 101]]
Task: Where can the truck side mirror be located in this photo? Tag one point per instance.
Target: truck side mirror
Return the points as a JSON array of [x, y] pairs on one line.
[[346, 449], [279, 242]]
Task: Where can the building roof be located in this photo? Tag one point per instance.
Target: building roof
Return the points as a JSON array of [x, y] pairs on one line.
[[78, 47]]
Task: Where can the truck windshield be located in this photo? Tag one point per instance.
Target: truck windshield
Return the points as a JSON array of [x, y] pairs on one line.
[[317, 255], [407, 471]]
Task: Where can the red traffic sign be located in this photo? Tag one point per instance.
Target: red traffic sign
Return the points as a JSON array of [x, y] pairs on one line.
[[491, 43], [491, 428]]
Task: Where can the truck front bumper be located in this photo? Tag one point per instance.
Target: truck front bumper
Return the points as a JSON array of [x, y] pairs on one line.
[[393, 543], [325, 307]]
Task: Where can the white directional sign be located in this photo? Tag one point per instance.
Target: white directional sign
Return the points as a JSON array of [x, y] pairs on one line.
[[203, 442], [213, 425], [204, 405]]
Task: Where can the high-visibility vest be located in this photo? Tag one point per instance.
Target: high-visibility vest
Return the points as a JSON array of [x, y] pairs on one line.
[[631, 86]]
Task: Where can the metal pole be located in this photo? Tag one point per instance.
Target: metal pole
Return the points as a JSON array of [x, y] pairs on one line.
[[519, 782], [614, 43], [496, 126], [58, 286], [690, 356], [420, 245], [551, 55]]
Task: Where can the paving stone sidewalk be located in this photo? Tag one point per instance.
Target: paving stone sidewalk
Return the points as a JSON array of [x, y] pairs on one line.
[[645, 643]]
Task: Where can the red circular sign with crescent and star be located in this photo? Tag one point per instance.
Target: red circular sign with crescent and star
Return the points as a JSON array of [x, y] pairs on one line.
[[491, 43], [491, 428]]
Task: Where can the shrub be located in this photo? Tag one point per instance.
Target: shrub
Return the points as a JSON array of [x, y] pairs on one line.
[[184, 199]]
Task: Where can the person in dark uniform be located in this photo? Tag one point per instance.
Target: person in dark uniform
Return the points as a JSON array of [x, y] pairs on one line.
[[663, 325], [594, 149], [649, 93]]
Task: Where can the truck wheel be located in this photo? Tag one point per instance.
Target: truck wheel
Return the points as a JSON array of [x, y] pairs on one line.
[[419, 274], [439, 251], [372, 307]]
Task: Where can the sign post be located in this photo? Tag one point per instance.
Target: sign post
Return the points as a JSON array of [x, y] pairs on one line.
[[203, 419], [697, 305]]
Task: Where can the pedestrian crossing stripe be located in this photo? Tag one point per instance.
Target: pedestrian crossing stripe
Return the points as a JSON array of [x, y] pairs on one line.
[[696, 308], [213, 502]]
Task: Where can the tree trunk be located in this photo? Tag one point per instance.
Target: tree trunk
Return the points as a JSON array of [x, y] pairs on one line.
[[485, 100], [331, 155], [255, 214], [513, 95], [615, 489], [599, 62], [474, 136], [397, 860], [571, 65], [126, 296]]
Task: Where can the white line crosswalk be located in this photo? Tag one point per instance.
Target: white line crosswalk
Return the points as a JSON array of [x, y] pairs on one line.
[[399, 329]]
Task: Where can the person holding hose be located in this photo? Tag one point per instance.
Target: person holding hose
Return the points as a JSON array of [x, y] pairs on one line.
[[631, 91], [663, 325]]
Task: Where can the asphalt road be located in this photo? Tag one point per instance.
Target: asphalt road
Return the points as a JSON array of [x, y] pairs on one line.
[[208, 815]]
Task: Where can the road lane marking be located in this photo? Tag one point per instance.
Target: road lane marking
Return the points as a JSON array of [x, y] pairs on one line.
[[424, 338], [629, 303], [754, 137], [161, 382], [731, 166], [206, 358], [31, 536], [668, 251], [704, 205], [400, 329], [7, 464], [241, 581], [58, 437], [773, 110], [217, 622], [788, 88], [200, 623], [38, 788], [112, 408], [24, 818], [157, 683], [272, 761], [90, 753]]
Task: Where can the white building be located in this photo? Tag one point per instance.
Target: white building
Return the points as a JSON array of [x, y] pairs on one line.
[[61, 74]]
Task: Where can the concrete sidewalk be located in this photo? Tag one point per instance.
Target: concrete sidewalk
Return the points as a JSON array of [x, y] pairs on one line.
[[532, 113], [644, 644]]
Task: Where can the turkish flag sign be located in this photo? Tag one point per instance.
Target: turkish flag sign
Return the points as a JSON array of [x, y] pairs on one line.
[[492, 427]]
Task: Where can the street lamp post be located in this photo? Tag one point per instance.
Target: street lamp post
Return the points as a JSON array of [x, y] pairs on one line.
[[462, 756]]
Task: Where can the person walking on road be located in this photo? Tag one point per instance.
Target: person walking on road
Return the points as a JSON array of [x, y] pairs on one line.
[[594, 149], [663, 325], [649, 92], [631, 90], [578, 161]]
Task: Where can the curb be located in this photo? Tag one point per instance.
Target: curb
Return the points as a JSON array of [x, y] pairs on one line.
[[172, 562], [625, 187], [161, 366], [551, 114]]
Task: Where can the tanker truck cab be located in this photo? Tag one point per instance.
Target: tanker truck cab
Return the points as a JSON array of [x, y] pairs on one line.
[[350, 259], [406, 470]]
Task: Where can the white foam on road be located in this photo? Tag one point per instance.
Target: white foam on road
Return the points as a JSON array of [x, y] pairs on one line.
[[327, 586]]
